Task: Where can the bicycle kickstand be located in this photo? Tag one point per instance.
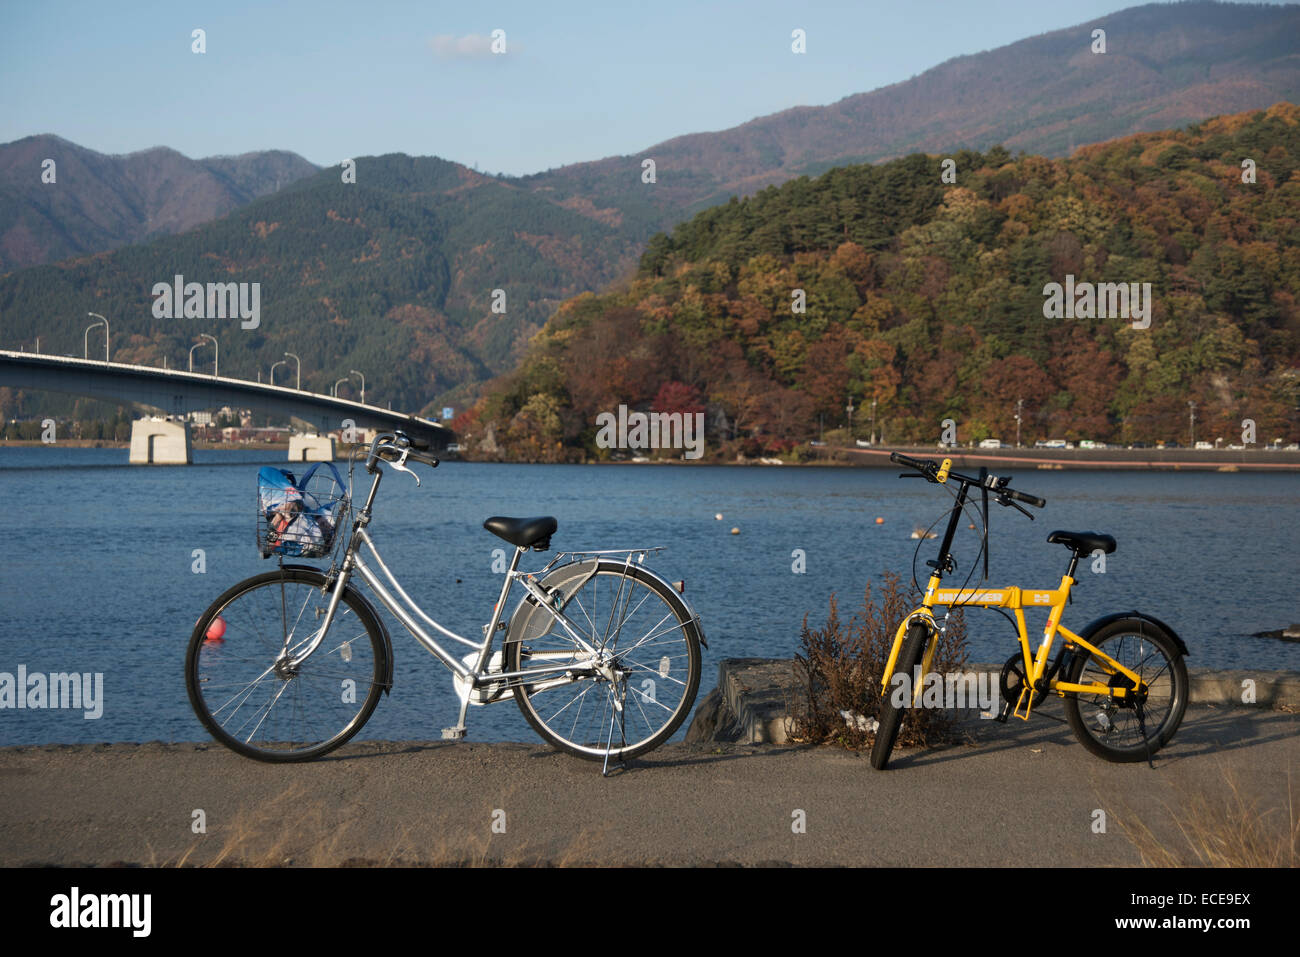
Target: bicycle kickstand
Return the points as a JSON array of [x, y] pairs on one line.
[[622, 734]]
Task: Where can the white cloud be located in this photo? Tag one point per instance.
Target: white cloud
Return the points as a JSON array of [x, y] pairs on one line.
[[471, 46]]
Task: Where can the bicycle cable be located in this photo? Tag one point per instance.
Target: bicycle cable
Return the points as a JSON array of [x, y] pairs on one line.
[[984, 537]]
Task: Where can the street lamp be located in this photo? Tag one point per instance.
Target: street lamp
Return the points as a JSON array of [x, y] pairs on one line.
[[849, 409], [86, 343], [216, 358], [363, 385], [1191, 418], [297, 365], [335, 391], [282, 362], [1019, 404], [873, 421]]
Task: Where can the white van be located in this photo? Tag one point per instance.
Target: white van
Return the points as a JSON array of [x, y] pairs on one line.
[[991, 444]]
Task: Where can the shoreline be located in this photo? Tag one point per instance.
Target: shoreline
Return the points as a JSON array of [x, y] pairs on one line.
[[1151, 460]]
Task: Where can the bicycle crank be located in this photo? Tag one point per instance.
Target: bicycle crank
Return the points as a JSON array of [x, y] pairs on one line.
[[1011, 683]]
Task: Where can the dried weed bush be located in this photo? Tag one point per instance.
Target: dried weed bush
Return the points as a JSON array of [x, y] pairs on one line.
[[841, 665]]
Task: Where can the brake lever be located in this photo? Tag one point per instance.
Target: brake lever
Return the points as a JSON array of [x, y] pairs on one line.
[[1003, 500], [400, 465]]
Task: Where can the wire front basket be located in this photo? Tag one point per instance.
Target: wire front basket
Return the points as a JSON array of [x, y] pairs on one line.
[[300, 517]]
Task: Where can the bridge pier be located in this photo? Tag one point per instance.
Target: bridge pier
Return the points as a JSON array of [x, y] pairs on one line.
[[311, 448], [160, 443]]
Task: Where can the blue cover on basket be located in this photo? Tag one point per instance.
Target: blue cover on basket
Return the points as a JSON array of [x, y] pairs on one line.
[[299, 522]]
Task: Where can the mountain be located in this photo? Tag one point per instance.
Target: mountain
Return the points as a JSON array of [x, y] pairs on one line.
[[927, 300], [98, 202], [1165, 65], [395, 275]]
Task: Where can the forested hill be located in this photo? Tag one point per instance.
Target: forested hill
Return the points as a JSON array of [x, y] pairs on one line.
[[928, 299], [393, 275]]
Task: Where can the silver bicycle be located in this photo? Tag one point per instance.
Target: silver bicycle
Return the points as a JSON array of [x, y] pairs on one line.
[[601, 654]]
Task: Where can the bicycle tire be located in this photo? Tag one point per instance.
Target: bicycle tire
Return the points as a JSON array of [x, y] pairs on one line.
[[668, 668], [890, 717], [1099, 731], [231, 681]]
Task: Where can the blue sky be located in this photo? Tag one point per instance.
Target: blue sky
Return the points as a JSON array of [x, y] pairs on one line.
[[333, 80]]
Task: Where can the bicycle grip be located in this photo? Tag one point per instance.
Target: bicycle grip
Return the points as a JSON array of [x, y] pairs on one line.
[[421, 456], [907, 460], [1028, 499]]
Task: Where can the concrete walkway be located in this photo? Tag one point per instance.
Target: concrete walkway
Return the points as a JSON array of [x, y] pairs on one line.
[[1020, 794]]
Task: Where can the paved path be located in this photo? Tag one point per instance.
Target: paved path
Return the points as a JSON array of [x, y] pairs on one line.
[[1020, 795]]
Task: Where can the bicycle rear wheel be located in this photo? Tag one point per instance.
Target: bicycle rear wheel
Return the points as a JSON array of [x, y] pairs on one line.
[[632, 687], [1109, 727], [250, 701], [890, 718]]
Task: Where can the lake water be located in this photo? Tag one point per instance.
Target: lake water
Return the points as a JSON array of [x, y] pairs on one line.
[[97, 574]]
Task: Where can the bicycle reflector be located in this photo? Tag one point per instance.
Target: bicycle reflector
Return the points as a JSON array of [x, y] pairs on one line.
[[680, 586]]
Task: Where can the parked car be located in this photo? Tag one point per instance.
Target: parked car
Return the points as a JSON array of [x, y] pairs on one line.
[[1090, 444], [862, 444], [1204, 446], [991, 444], [1054, 444]]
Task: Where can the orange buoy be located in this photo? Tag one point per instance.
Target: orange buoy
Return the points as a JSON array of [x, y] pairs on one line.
[[216, 630], [879, 520], [735, 531]]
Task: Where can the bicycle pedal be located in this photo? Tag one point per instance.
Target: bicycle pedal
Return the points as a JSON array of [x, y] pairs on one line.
[[452, 734]]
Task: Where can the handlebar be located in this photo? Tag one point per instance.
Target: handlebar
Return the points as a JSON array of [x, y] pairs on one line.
[[396, 448], [998, 486]]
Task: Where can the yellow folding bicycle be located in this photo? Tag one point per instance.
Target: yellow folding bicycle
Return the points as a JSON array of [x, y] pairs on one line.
[[1122, 678]]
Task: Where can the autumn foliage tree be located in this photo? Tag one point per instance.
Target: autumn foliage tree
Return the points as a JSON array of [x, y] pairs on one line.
[[886, 284]]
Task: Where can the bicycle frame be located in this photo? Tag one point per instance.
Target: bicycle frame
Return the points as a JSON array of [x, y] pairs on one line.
[[407, 611], [1015, 599]]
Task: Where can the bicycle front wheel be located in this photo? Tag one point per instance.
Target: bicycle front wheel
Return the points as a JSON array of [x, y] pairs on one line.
[[628, 679], [890, 718], [246, 696], [1110, 727]]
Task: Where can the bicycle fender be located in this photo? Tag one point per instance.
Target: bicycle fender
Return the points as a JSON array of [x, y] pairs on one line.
[[365, 603], [1096, 626]]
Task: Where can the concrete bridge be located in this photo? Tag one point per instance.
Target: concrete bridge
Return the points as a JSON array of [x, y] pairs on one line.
[[177, 393]]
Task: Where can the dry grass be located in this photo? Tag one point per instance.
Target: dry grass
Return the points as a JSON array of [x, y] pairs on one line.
[[290, 831], [841, 666], [1222, 830]]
